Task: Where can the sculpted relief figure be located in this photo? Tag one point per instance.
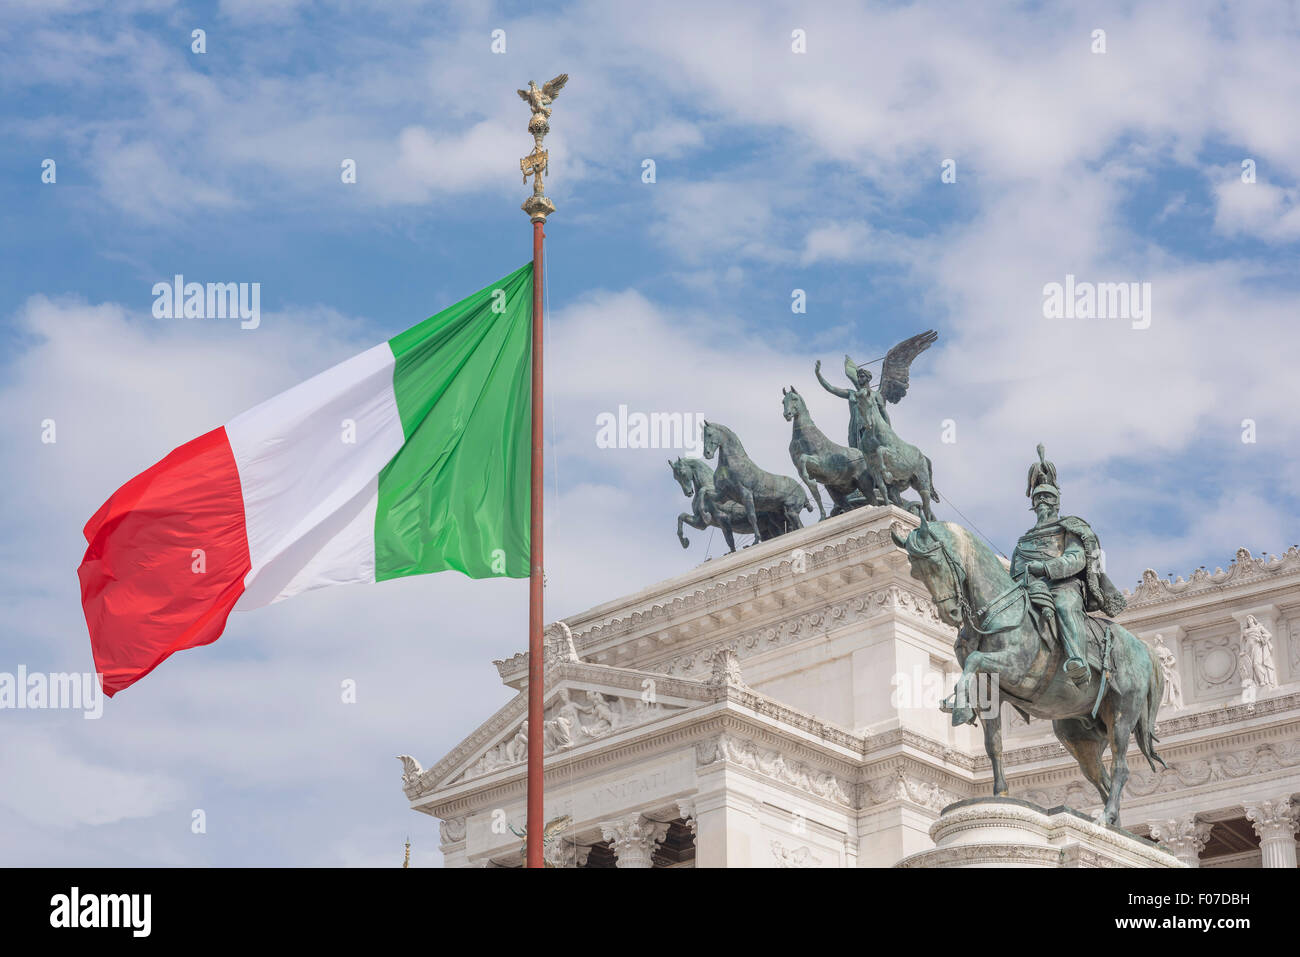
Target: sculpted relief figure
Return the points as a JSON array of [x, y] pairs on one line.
[[568, 723], [603, 717], [561, 730], [1173, 681], [516, 748], [1257, 653]]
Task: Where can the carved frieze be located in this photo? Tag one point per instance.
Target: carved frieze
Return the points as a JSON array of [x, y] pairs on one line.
[[899, 785], [794, 857], [773, 764], [1219, 766]]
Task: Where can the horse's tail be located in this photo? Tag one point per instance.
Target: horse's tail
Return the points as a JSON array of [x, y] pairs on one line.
[[934, 492], [1146, 722]]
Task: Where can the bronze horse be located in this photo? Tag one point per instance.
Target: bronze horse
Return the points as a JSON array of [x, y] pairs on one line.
[[696, 479], [739, 480]]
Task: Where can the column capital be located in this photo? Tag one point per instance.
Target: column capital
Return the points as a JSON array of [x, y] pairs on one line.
[[1275, 823], [1274, 820], [1185, 837], [634, 839]]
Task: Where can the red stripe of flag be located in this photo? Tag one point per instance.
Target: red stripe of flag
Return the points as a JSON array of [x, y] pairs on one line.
[[140, 591]]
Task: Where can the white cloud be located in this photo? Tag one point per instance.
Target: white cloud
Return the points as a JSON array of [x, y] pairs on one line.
[[51, 787], [1257, 209]]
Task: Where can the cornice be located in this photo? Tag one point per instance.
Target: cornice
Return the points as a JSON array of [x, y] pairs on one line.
[[691, 728], [865, 532], [907, 738], [818, 622], [1244, 569], [1166, 728]]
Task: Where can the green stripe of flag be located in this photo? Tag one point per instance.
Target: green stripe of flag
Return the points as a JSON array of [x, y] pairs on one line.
[[457, 493]]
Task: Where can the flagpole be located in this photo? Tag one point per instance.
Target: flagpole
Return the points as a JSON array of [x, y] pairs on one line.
[[535, 656], [538, 207]]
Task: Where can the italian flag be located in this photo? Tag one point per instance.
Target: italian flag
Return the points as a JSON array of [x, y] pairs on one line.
[[412, 457]]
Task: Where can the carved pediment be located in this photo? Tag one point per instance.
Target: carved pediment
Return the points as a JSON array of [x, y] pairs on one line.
[[586, 703], [573, 717]]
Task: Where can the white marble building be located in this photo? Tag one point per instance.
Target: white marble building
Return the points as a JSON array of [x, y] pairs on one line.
[[778, 708]]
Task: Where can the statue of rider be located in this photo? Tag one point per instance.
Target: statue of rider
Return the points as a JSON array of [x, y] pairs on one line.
[[1061, 555]]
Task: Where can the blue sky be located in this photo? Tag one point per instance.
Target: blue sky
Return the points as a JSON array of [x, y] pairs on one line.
[[775, 171]]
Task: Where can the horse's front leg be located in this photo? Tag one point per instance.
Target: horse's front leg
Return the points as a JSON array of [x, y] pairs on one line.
[[879, 479], [694, 521], [993, 748], [801, 466], [713, 511], [993, 665], [1120, 730], [724, 523], [924, 491], [864, 483], [751, 514]]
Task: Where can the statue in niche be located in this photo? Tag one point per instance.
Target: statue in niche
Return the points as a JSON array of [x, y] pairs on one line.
[[1257, 645], [1173, 696]]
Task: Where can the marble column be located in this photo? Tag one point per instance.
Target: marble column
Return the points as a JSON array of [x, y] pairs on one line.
[[634, 839], [1275, 823], [1184, 836]]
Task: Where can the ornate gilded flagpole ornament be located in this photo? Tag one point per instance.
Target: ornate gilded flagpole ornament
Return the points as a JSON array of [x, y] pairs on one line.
[[539, 100]]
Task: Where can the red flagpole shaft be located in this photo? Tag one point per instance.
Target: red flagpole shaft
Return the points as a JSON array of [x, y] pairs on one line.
[[535, 662]]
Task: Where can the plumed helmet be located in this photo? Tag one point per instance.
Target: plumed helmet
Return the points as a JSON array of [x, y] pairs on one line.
[[1042, 476]]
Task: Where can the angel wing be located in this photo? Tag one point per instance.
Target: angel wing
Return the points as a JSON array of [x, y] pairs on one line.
[[553, 87], [893, 376]]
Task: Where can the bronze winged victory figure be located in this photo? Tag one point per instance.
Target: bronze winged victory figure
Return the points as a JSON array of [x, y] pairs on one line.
[[894, 464]]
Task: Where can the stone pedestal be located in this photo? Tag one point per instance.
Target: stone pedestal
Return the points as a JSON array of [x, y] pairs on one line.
[[1005, 832]]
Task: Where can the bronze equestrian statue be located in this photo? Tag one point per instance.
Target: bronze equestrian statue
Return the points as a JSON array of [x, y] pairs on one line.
[[1023, 628]]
